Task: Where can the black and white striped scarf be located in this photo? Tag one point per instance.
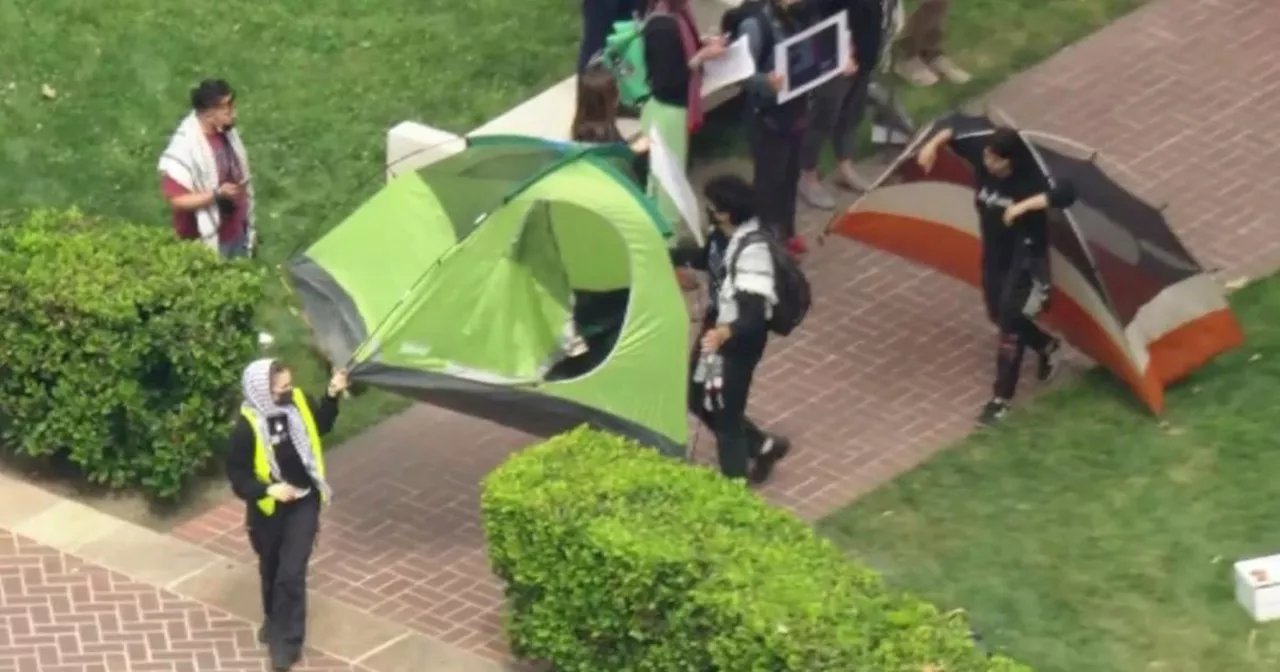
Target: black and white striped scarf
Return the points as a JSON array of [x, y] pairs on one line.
[[256, 384]]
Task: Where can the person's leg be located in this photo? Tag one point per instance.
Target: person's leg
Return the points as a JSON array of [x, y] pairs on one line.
[[767, 156], [265, 538], [300, 522], [733, 441], [824, 108], [234, 249], [789, 146], [1011, 346], [844, 134], [597, 22], [932, 48], [920, 36]]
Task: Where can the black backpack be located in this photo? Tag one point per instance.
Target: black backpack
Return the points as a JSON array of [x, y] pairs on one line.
[[731, 22], [789, 284]]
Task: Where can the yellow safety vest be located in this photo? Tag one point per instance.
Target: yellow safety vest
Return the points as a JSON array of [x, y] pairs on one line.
[[262, 467]]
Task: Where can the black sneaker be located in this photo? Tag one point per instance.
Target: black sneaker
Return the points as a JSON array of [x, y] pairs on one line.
[[1048, 365], [262, 634], [775, 448], [993, 412]]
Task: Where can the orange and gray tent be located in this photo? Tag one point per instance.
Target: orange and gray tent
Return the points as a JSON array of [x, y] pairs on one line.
[[1126, 292]]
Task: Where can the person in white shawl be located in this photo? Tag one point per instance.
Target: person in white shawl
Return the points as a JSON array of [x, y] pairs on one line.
[[734, 346], [205, 174]]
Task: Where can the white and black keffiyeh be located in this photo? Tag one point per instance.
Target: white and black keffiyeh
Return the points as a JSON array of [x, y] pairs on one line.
[[256, 384]]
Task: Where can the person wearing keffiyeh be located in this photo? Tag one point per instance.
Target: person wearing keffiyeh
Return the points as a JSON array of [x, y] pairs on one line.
[[276, 465]]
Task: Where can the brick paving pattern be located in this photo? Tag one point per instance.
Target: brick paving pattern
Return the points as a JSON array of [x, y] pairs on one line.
[[61, 614], [896, 360]]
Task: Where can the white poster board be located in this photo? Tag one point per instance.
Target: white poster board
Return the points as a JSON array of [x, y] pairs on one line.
[[735, 65], [813, 57], [671, 176]]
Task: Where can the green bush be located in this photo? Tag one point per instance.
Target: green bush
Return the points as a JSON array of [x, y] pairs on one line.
[[121, 347], [618, 559]]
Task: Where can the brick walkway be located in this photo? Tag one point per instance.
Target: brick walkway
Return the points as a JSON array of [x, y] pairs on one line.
[[61, 614], [895, 362]]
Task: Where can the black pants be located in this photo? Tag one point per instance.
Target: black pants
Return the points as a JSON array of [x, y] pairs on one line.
[[598, 17], [738, 439], [775, 155], [1005, 289], [835, 113], [283, 542]]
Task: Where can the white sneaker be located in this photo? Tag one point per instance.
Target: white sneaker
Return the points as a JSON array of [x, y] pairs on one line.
[[949, 71], [916, 71]]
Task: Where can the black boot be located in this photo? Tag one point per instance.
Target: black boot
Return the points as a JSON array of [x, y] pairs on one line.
[[775, 448]]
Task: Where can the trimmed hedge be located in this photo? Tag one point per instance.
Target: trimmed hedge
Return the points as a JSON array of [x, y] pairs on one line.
[[120, 347], [619, 559]]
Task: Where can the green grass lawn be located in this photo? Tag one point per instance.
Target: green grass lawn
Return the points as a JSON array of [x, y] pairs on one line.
[[993, 39], [1087, 536], [319, 83]]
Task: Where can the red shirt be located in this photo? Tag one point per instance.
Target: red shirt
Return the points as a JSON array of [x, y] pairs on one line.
[[233, 212]]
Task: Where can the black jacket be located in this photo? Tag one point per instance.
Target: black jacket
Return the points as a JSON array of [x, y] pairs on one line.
[[243, 443]]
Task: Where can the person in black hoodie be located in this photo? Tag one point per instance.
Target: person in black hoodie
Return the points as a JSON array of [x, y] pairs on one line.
[[836, 108], [734, 330], [1013, 198], [275, 463]]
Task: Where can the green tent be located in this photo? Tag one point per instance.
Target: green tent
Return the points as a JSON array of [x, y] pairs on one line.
[[453, 284]]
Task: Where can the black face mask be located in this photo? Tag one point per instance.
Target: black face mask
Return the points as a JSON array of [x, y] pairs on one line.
[[284, 398]]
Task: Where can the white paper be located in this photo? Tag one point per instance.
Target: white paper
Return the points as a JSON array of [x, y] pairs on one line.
[[735, 65], [840, 23], [671, 176]]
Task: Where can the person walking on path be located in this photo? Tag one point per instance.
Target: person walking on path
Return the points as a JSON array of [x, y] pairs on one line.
[[836, 109], [1012, 198], [920, 57], [275, 463], [735, 330]]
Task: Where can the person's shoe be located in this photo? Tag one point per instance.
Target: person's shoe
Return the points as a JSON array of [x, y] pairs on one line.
[[813, 193], [850, 180], [949, 71], [774, 450], [1048, 364], [917, 72], [262, 633], [994, 412], [283, 659], [797, 247]]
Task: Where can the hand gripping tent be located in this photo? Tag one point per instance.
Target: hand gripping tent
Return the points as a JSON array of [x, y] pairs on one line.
[[1126, 291], [454, 283]]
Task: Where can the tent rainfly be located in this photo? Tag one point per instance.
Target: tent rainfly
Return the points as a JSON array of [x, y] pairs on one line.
[[453, 284], [1125, 291]]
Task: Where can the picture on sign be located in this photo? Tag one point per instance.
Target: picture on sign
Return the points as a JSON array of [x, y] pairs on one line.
[[813, 57]]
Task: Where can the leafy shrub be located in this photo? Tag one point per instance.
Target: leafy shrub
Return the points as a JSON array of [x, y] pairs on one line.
[[120, 347], [618, 559]]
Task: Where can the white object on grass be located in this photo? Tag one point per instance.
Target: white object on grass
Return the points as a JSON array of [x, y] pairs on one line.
[[1258, 587]]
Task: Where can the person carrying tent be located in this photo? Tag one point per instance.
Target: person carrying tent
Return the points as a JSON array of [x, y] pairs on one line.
[[1012, 200], [756, 288]]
